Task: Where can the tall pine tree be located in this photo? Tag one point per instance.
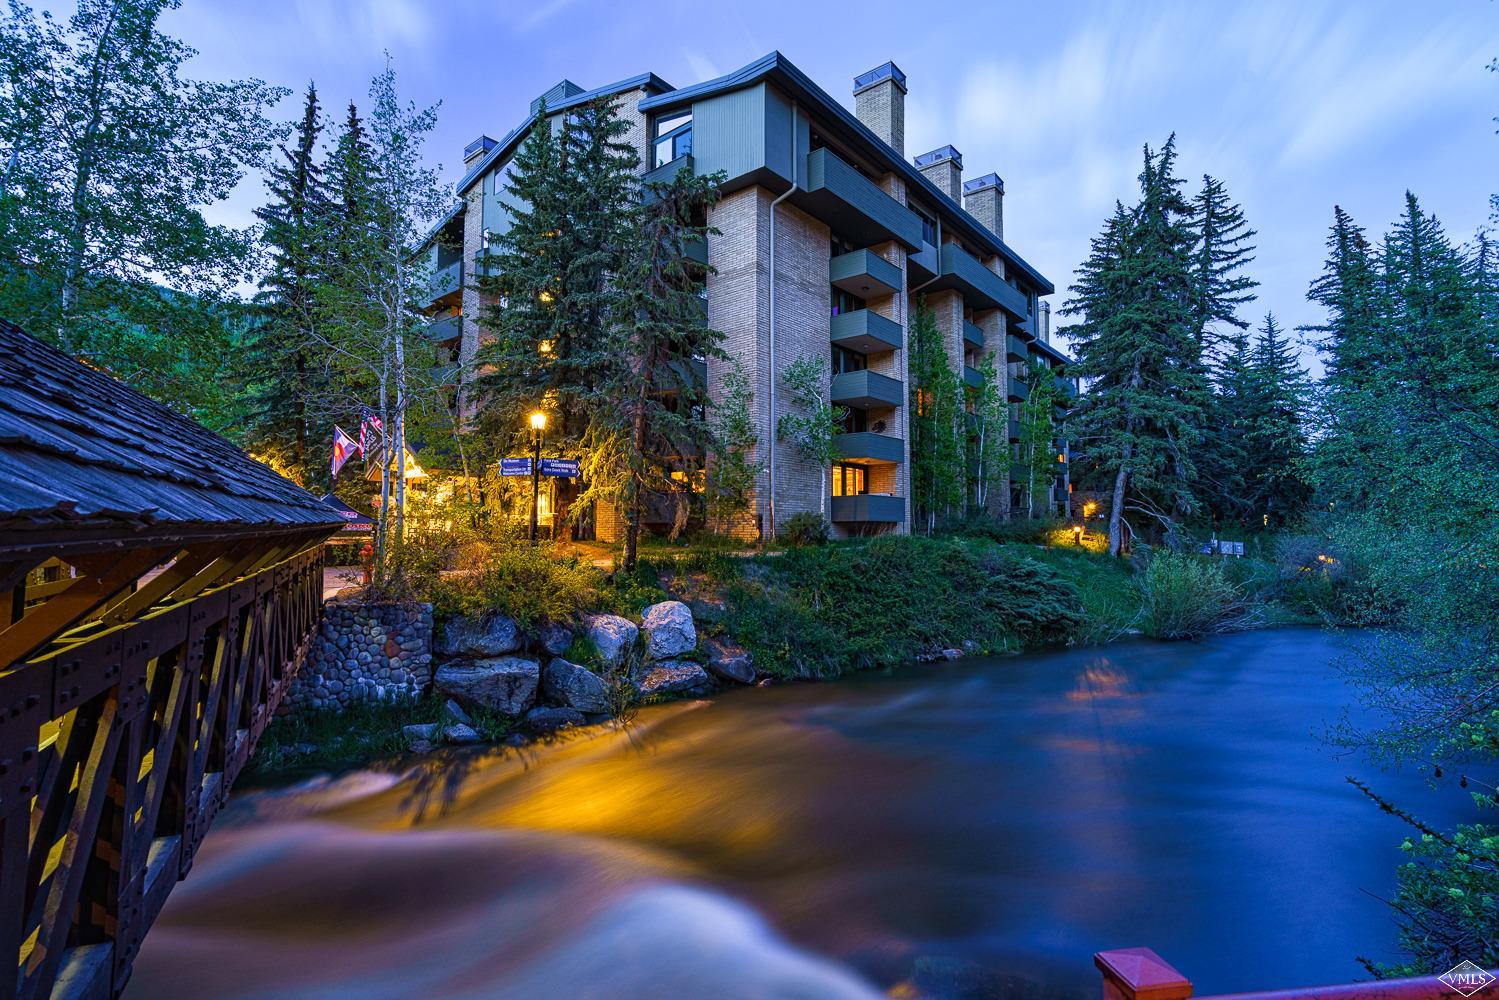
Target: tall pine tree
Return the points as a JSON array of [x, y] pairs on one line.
[[1140, 422], [278, 368]]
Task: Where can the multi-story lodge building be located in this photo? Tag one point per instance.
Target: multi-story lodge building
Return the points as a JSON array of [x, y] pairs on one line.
[[828, 235]]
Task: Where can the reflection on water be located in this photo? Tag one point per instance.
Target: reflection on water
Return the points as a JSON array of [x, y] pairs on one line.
[[969, 829]]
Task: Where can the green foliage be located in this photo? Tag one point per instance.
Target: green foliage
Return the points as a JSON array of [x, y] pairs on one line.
[[732, 468], [827, 610], [935, 420], [114, 152], [988, 438], [281, 371], [1187, 597], [813, 423], [806, 528], [1137, 343], [1039, 431], [531, 585]]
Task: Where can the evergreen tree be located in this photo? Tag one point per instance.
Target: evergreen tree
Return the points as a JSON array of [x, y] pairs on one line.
[[646, 428], [1140, 422], [1221, 468], [1274, 418], [277, 366], [573, 193], [1221, 252], [937, 440]]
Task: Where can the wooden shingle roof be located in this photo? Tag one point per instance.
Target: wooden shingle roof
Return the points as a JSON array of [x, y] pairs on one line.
[[83, 454]]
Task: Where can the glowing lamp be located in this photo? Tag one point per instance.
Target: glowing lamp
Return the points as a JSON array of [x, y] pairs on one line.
[[538, 421]]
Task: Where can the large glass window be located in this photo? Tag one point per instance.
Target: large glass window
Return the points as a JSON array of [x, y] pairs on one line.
[[672, 138], [928, 226], [845, 361], [848, 480], [844, 302]]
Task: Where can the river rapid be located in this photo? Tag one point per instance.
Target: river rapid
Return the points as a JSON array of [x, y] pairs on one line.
[[969, 829]]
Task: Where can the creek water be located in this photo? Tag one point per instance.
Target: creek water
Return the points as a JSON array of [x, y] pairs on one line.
[[973, 829]]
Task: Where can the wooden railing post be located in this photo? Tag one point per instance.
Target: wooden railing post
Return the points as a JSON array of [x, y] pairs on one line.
[[1131, 973]]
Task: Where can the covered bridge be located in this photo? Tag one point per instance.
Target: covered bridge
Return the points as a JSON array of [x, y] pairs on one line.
[[158, 589]]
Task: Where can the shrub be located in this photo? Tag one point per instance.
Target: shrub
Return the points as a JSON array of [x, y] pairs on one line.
[[1031, 531], [530, 585], [805, 529], [829, 610], [1334, 577], [1187, 596]]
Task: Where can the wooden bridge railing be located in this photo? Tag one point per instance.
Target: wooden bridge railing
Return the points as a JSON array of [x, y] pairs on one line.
[[129, 703]]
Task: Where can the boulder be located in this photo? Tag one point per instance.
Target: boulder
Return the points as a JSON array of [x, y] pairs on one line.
[[672, 677], [554, 638], [420, 734], [456, 713], [504, 684], [549, 720], [574, 687], [420, 746], [491, 635], [729, 662], [952, 654], [459, 733], [669, 630], [612, 636]]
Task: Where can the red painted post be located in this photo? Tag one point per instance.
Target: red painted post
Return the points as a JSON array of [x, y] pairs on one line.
[[1140, 974]]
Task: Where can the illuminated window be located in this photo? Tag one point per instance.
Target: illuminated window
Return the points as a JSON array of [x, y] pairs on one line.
[[848, 480]]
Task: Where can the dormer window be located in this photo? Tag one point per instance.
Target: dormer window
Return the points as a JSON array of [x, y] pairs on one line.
[[672, 138]]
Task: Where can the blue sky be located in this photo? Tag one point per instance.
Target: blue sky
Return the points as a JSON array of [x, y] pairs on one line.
[[1295, 105]]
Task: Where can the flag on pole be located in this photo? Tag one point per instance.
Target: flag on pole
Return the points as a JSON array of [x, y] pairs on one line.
[[343, 447], [368, 420]]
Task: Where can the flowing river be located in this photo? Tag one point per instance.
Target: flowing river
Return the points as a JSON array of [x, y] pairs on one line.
[[973, 829]]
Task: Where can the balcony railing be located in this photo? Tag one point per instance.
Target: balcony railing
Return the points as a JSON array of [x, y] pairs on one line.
[[972, 335], [864, 273], [869, 508], [663, 174], [870, 446], [867, 390], [1014, 348], [445, 330], [864, 331], [853, 205], [983, 289], [444, 282], [1025, 327], [1014, 429], [972, 377], [1019, 391]]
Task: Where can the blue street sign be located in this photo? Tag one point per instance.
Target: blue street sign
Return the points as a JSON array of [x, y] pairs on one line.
[[567, 467], [515, 466]]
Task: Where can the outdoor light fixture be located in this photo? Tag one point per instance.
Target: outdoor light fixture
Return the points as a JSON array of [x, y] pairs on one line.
[[538, 426]]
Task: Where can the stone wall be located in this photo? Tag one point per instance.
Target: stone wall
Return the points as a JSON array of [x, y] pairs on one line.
[[365, 652]]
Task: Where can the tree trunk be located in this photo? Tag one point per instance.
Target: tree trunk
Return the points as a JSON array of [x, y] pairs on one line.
[[1116, 511]]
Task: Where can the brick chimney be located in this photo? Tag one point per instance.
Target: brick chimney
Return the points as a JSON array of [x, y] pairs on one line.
[[984, 198], [880, 103], [475, 150], [944, 168], [1045, 322]]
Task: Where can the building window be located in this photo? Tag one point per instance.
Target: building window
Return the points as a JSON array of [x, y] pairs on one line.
[[838, 246], [928, 226], [672, 138], [848, 480], [844, 302], [845, 361], [852, 421]]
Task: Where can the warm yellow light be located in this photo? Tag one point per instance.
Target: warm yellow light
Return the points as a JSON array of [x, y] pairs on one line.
[[546, 297], [538, 421], [545, 347], [1089, 509]]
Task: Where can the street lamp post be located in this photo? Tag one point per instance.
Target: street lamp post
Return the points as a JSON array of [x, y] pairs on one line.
[[538, 425]]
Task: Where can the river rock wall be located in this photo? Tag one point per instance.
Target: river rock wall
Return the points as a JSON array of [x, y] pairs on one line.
[[363, 653]]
